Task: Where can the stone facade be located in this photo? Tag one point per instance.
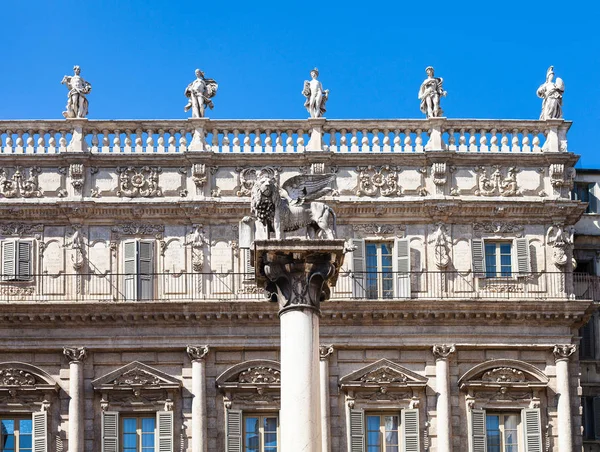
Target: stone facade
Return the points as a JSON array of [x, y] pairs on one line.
[[129, 290]]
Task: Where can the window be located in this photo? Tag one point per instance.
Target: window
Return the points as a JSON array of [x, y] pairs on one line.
[[498, 259], [587, 346], [260, 433], [584, 191], [383, 434], [138, 433], [591, 417], [502, 432], [138, 257], [16, 260], [380, 283], [17, 435]]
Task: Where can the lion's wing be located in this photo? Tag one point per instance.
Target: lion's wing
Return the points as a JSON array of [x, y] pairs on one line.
[[308, 187]]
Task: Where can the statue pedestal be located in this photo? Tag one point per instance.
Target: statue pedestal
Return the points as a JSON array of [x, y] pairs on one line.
[[298, 275]]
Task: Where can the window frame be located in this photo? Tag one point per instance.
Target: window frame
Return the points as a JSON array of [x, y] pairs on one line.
[[139, 432], [380, 292], [587, 188], [138, 276], [498, 258], [261, 431], [501, 428], [382, 431], [15, 276], [17, 434]]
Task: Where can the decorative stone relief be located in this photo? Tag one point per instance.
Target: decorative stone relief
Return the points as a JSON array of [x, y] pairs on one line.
[[498, 227], [199, 175], [197, 239], [157, 230], [139, 182], [382, 181], [382, 394], [441, 245], [75, 354], [16, 291], [197, 353], [379, 229], [561, 177], [16, 377], [137, 377], [439, 173], [561, 241], [21, 229], [564, 351], [443, 351], [22, 183], [260, 375], [495, 184], [247, 177], [384, 375], [325, 351], [504, 375], [77, 175]]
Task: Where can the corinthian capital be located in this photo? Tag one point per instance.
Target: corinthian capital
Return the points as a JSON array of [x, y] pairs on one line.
[[563, 351], [443, 351], [197, 352], [75, 354], [325, 351]]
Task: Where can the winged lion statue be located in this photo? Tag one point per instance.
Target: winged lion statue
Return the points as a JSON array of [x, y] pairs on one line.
[[292, 206]]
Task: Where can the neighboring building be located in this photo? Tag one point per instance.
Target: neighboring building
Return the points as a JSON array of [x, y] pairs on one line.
[[456, 316]]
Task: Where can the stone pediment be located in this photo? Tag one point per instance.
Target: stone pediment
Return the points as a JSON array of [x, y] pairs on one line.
[[383, 373], [503, 373], [135, 375], [22, 376], [251, 374]]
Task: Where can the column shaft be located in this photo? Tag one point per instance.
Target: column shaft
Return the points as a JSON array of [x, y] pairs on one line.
[[199, 427], [442, 378], [76, 414], [324, 353], [565, 433]]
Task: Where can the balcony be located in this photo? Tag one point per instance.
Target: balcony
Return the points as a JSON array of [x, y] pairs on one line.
[[210, 287]]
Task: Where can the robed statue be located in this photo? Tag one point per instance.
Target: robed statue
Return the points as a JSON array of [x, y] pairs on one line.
[[430, 93], [316, 97], [77, 103], [200, 92], [292, 206], [552, 93]]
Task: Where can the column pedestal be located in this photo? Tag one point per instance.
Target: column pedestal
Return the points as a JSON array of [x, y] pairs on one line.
[[199, 425], [76, 356], [442, 386], [562, 354], [298, 275]]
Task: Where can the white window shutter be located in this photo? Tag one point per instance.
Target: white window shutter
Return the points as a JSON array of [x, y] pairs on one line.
[[110, 431], [130, 269], [533, 430], [477, 432], [146, 270], [357, 431], [595, 414], [246, 234], [359, 280], [410, 430], [40, 431], [402, 268], [233, 437], [164, 428], [248, 265], [8, 260], [523, 259], [24, 260], [478, 257]]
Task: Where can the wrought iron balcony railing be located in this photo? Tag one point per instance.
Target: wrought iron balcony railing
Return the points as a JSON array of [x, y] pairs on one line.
[[170, 287]]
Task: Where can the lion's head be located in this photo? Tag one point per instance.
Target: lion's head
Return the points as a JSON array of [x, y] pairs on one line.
[[265, 197]]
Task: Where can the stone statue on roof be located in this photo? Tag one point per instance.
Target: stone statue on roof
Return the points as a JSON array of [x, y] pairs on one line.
[[200, 92], [316, 97], [552, 93], [77, 103], [430, 93]]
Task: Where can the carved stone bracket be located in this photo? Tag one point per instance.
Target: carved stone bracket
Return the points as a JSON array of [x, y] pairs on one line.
[[199, 175], [495, 184], [21, 183], [77, 175], [563, 351], [443, 351], [197, 352], [75, 354], [325, 352], [139, 182]]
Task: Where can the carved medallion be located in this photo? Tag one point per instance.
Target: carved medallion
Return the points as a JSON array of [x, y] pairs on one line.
[[139, 182], [382, 181]]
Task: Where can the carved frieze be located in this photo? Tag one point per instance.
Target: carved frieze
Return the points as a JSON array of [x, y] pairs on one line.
[[377, 228], [260, 375], [137, 377], [21, 229], [139, 182], [383, 395], [496, 182], [498, 227], [378, 181], [504, 375], [132, 228], [16, 291], [77, 175], [16, 377], [21, 183], [256, 397], [383, 375]]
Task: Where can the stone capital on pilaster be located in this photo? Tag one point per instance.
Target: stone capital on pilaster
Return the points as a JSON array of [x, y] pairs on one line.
[[563, 352], [197, 352], [75, 354], [325, 351], [443, 351]]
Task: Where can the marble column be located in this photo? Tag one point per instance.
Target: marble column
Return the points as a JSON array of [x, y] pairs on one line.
[[76, 356], [197, 355], [442, 386], [297, 274], [324, 352], [562, 353]]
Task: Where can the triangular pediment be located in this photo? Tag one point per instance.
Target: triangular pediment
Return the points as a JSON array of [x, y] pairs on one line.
[[136, 375], [383, 373]]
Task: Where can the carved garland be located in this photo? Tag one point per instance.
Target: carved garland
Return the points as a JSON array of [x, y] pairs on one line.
[[16, 377], [382, 181], [139, 182], [495, 184]]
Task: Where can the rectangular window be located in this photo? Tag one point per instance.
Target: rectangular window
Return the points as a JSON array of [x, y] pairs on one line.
[[591, 417], [383, 432], [587, 346], [16, 260], [502, 432], [379, 267], [138, 265], [584, 192], [138, 433], [498, 259], [16, 435], [260, 433]]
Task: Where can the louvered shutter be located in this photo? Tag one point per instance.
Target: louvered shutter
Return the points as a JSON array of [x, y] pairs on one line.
[[402, 268], [410, 430], [130, 269], [164, 428], [533, 430], [359, 279], [523, 260], [477, 432], [40, 431], [478, 257], [8, 260], [357, 431], [24, 261], [593, 201], [595, 414], [146, 270], [233, 442], [246, 235], [249, 272], [110, 431]]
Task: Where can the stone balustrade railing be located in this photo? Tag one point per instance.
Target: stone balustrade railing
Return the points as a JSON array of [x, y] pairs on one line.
[[283, 136]]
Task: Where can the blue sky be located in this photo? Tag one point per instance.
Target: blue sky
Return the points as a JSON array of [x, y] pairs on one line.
[[140, 55]]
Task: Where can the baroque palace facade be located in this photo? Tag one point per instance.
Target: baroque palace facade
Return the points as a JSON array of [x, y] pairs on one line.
[[131, 319]]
